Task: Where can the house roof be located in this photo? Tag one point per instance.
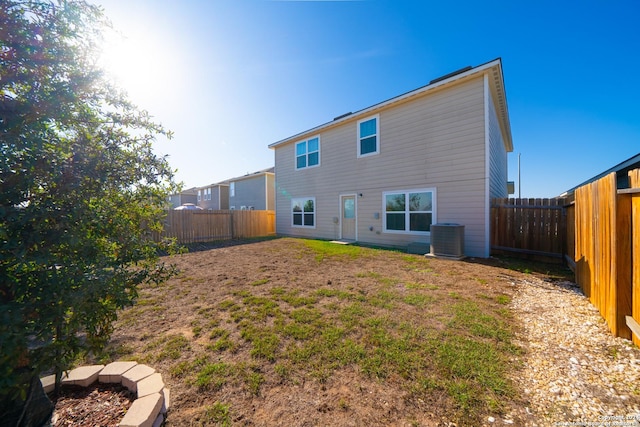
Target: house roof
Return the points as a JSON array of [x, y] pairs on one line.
[[621, 170], [226, 182], [496, 82], [190, 191], [270, 170]]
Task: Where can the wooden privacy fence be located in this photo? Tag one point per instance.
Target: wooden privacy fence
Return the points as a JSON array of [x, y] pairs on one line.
[[607, 251], [192, 226], [598, 235], [535, 228]]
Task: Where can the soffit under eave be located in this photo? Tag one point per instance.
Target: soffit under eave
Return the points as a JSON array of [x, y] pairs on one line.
[[501, 104]]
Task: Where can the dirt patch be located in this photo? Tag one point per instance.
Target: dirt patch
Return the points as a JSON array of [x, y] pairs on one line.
[[236, 336]]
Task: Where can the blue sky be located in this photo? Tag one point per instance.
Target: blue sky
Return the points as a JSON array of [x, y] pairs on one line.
[[230, 77]]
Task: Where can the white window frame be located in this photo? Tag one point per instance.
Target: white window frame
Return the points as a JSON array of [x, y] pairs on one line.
[[377, 135], [303, 200], [199, 195], [295, 153], [207, 193], [232, 189], [407, 212]]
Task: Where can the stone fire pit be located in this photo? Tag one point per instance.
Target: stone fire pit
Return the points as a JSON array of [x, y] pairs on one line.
[[150, 407]]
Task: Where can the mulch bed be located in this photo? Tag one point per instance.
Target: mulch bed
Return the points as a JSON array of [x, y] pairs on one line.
[[97, 405]]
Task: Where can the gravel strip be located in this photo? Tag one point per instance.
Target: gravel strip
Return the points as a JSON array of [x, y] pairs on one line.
[[574, 373]]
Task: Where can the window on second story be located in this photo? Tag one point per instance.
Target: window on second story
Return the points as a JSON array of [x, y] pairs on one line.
[[207, 193], [368, 136], [199, 195], [232, 189], [308, 153]]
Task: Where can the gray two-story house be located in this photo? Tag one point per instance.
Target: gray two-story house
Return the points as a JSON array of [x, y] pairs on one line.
[[214, 197], [385, 174], [254, 191], [185, 196]]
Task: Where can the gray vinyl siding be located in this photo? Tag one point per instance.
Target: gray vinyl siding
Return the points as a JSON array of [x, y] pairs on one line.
[[498, 172], [180, 199], [219, 198], [436, 141], [250, 192]]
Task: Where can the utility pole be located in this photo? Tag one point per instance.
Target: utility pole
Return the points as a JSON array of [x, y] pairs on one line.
[[519, 182]]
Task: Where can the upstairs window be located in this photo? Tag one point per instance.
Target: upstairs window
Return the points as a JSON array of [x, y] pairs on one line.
[[308, 153], [207, 193], [304, 212], [199, 195], [232, 189], [368, 136]]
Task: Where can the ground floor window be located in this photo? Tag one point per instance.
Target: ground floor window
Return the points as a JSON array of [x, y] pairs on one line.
[[303, 212], [409, 211]]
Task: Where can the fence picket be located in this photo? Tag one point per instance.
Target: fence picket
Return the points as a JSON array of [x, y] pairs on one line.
[[532, 227], [206, 226]]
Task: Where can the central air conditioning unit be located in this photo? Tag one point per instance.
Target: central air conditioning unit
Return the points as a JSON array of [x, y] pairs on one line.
[[447, 240]]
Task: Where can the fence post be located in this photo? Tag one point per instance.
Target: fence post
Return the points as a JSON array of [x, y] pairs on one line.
[[623, 264], [634, 181]]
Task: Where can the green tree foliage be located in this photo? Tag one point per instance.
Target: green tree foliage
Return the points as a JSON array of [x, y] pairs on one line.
[[81, 191]]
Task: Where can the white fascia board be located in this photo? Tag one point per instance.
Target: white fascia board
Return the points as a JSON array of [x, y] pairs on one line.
[[401, 98]]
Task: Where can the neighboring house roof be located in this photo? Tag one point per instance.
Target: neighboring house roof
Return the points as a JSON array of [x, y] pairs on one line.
[[621, 169], [217, 184], [189, 191], [270, 170], [226, 182], [496, 82]]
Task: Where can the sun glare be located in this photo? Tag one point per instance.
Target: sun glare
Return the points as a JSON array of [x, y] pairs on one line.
[[137, 64]]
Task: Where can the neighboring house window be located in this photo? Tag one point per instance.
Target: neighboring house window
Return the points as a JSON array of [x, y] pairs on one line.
[[369, 136], [304, 212], [308, 153], [207, 194], [411, 211], [199, 195], [232, 189]]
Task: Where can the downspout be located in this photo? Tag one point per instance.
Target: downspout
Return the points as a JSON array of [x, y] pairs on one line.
[[487, 165]]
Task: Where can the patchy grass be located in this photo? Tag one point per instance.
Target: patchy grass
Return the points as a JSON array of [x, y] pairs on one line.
[[433, 336], [167, 347], [217, 414], [325, 250]]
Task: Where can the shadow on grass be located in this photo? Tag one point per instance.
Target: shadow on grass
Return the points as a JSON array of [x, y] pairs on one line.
[[205, 246], [551, 271]]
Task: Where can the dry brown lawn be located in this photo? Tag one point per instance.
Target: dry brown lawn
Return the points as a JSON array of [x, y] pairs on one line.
[[294, 332]]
